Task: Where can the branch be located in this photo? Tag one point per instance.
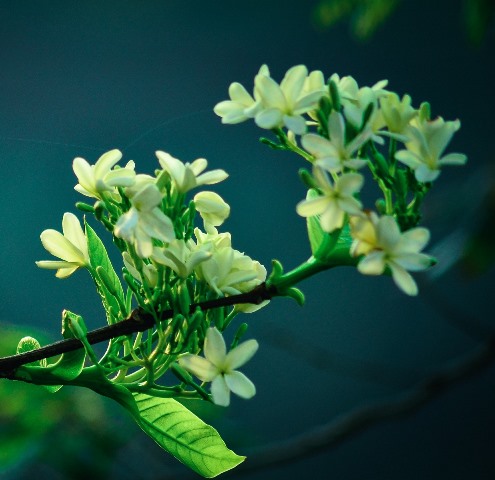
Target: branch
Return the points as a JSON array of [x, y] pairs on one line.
[[138, 321]]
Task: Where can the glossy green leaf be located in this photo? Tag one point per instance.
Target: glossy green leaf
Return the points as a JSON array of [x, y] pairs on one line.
[[107, 281], [181, 433]]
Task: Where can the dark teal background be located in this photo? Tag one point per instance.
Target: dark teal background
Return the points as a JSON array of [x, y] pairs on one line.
[[80, 78]]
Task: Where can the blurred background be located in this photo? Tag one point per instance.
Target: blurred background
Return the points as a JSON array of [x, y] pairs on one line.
[[80, 78]]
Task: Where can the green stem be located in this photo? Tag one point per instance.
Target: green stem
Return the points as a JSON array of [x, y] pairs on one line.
[[303, 271]]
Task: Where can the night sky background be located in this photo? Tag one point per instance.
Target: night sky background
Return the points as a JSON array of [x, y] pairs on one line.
[[81, 78]]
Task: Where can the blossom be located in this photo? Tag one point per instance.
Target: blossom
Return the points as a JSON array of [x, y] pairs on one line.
[[230, 272], [219, 367], [181, 256], [349, 89], [187, 176], [333, 155], [213, 237], [98, 178], [71, 247], [241, 105], [149, 274], [336, 200], [213, 210], [284, 104], [397, 113], [383, 245], [145, 221], [428, 140]]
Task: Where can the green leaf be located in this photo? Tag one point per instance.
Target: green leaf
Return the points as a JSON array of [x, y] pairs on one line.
[[53, 376], [181, 433], [28, 344], [110, 289]]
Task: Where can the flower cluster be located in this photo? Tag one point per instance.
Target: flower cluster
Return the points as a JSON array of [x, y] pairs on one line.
[[350, 126], [169, 262]]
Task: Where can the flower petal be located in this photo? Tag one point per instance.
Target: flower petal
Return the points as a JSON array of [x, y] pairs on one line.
[[220, 391], [198, 366], [239, 384], [241, 354], [74, 233], [270, 92], [106, 162], [311, 207], [60, 247], [268, 119], [295, 123], [239, 94], [403, 279], [372, 264], [214, 347]]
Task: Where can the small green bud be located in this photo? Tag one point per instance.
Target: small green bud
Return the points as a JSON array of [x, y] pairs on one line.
[[401, 183], [307, 178], [163, 180], [382, 166], [381, 206], [75, 324], [106, 280], [99, 208], [181, 374], [239, 334], [367, 115], [424, 112], [270, 143], [325, 105], [184, 298], [84, 207], [334, 95], [323, 121]]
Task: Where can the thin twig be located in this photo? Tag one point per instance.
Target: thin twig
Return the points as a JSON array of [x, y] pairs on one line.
[[138, 321]]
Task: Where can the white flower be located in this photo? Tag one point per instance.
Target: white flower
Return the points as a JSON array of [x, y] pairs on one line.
[[212, 208], [182, 257], [71, 247], [397, 113], [219, 367], [241, 105], [187, 176], [349, 89], [98, 178], [149, 271], [145, 221], [212, 236], [383, 244], [333, 155], [284, 104], [336, 200], [428, 140], [230, 272]]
